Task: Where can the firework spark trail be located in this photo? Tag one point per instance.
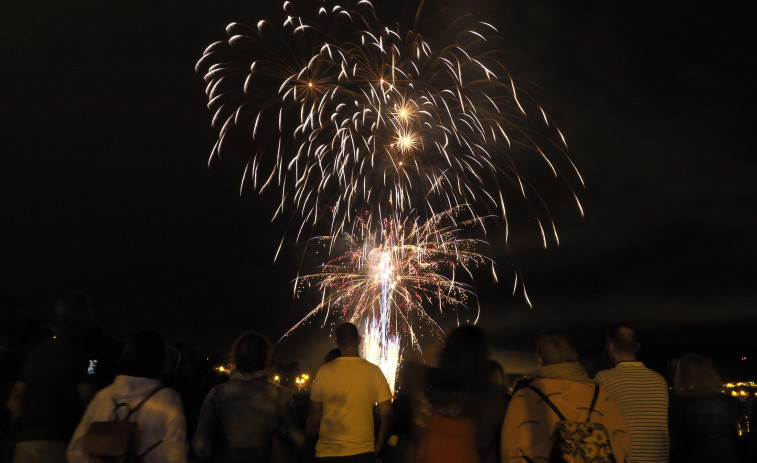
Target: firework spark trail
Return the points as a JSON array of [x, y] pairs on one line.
[[382, 349], [392, 276], [367, 117]]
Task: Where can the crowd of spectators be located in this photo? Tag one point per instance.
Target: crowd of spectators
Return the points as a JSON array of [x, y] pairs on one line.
[[63, 381]]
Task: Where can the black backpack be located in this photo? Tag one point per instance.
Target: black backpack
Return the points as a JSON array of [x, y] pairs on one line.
[[578, 441], [112, 441]]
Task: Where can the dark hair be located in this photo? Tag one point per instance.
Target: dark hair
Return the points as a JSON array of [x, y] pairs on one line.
[[250, 352], [347, 335], [460, 381], [143, 355], [334, 353], [493, 369], [556, 346], [72, 311], [623, 337], [696, 376], [465, 352]]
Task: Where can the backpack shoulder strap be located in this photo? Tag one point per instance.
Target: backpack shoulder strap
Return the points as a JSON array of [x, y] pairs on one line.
[[547, 401], [116, 406], [142, 402], [593, 402]]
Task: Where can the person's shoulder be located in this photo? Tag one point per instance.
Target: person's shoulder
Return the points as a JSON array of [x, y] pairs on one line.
[[168, 392], [544, 384]]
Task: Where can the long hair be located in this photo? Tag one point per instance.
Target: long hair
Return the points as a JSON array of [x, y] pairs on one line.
[[458, 385], [696, 376], [250, 352], [465, 352]]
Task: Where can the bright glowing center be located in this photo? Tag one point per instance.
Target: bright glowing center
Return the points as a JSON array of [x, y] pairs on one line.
[[385, 268], [406, 142]]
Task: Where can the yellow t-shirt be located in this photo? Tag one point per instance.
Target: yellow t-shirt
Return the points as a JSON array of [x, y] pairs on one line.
[[348, 387]]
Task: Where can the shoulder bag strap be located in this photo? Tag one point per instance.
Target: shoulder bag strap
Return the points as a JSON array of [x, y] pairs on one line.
[[593, 402], [137, 407], [142, 402], [549, 402]]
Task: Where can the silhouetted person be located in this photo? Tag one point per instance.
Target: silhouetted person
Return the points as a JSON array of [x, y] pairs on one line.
[[530, 423], [161, 430], [53, 388], [332, 354], [342, 397], [240, 418], [410, 410], [703, 420], [466, 407], [641, 394]]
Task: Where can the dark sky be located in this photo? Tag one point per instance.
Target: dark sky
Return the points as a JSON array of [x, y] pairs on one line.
[[104, 183]]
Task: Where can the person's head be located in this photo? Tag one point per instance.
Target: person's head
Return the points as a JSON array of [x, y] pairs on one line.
[[622, 344], [555, 346], [143, 355], [251, 352], [465, 351], [495, 373], [72, 312], [347, 336], [171, 360], [696, 376], [332, 354]]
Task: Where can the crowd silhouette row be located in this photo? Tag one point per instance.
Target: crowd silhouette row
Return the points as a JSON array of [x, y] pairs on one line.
[[77, 398]]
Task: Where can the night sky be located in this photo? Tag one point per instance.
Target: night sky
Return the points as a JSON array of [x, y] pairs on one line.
[[105, 187]]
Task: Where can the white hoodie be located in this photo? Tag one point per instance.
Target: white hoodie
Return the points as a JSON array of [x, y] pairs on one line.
[[161, 417]]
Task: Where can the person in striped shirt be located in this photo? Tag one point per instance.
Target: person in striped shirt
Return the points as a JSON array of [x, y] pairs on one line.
[[640, 393]]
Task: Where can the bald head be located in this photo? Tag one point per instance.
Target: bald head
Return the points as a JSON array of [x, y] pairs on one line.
[[622, 344]]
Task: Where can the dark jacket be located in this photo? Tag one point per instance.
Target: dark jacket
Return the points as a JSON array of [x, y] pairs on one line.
[[239, 419], [703, 429]]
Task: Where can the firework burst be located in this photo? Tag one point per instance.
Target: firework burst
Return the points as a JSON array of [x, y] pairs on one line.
[[346, 115], [398, 274], [386, 138]]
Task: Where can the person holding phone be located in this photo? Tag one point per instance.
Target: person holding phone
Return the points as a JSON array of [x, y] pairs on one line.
[[53, 388]]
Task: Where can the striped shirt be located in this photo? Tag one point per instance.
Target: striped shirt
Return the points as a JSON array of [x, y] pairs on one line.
[[642, 395]]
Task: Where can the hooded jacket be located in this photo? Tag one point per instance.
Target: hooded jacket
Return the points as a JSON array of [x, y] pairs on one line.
[[529, 426], [160, 418]]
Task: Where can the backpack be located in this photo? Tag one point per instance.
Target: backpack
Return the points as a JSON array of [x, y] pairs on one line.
[[113, 441], [579, 441]]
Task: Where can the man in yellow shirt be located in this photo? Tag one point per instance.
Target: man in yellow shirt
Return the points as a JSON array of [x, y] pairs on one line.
[[341, 405]]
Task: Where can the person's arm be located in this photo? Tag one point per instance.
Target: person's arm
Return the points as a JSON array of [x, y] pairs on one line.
[[294, 432], [207, 426], [174, 445], [313, 423], [385, 413], [98, 410], [517, 440], [15, 402]]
